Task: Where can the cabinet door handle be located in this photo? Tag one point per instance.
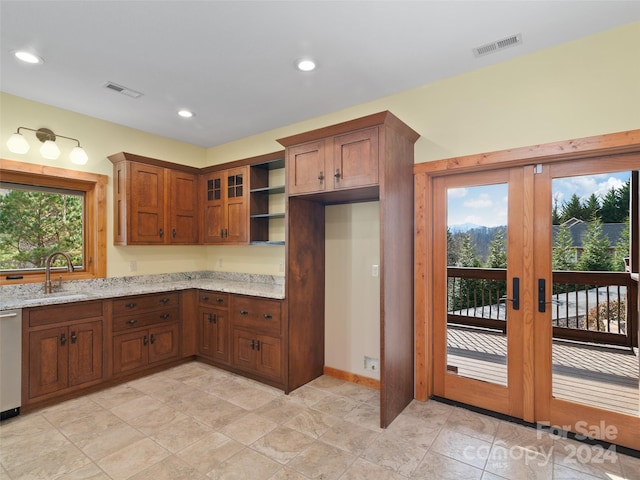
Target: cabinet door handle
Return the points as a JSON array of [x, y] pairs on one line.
[[213, 318], [132, 321], [130, 305], [253, 344], [74, 337], [337, 174], [145, 340], [164, 300], [63, 339], [226, 232], [205, 299], [165, 315], [219, 300], [153, 338], [258, 345], [161, 233], [173, 233], [244, 312], [321, 177], [267, 316], [222, 233]]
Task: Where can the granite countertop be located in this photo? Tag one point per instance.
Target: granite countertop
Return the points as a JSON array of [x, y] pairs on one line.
[[31, 295]]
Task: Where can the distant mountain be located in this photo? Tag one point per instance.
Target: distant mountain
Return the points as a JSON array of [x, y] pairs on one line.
[[464, 227]]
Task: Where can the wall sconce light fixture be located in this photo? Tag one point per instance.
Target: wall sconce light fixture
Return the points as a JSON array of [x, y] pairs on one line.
[[18, 144]]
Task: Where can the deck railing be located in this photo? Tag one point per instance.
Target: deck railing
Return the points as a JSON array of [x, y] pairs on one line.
[[595, 307]]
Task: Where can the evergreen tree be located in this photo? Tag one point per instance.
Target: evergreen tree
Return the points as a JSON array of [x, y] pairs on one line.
[[35, 224], [595, 254], [609, 209], [622, 248], [572, 209], [498, 250], [563, 256], [592, 208]]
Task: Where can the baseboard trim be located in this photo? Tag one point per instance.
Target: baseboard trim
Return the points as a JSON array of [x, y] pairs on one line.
[[352, 377]]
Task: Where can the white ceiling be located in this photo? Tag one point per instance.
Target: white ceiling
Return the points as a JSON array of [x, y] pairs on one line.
[[232, 62]]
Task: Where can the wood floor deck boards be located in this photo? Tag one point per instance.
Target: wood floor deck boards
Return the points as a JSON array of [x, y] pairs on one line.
[[601, 377]]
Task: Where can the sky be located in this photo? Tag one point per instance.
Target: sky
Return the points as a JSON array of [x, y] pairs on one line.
[[487, 205]]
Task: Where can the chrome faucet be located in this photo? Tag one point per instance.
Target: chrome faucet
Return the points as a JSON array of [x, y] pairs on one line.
[[48, 287]]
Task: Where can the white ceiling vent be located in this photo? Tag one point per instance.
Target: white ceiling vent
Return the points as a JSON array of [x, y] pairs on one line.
[[498, 45], [123, 90]]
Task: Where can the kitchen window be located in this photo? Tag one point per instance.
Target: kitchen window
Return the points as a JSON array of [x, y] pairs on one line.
[[46, 209]]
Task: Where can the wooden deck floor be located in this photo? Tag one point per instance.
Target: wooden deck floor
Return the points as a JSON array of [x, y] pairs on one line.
[[601, 377]]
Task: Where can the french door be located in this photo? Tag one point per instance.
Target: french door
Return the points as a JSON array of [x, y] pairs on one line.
[[501, 316]]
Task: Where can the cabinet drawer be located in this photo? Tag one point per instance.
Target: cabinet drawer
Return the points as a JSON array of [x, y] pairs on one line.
[[257, 314], [145, 318], [213, 299], [67, 312], [131, 305]]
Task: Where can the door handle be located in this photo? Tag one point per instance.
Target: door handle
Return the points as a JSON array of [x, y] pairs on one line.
[[515, 290], [542, 297], [74, 337]]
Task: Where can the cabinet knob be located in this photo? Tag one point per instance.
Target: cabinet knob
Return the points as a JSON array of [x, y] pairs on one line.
[[173, 233], [74, 337], [130, 305], [164, 300], [321, 177], [153, 338], [219, 300], [222, 233], [213, 318], [63, 339], [165, 315], [267, 316], [145, 340], [161, 233], [337, 174], [205, 299], [132, 322], [244, 312], [258, 345]]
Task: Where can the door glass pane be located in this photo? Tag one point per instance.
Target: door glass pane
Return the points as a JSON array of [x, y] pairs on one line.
[[476, 279], [593, 305]]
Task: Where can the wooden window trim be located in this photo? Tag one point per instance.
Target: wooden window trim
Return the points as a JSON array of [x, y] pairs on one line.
[[94, 187]]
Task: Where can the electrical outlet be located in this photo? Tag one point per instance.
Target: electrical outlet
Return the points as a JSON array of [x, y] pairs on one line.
[[281, 266], [375, 270], [220, 262], [133, 266], [371, 363]]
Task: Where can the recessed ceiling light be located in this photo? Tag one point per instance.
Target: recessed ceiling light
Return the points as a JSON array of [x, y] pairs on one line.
[[185, 113], [305, 65], [27, 57]]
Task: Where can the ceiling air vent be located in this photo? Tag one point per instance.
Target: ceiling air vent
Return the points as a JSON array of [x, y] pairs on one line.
[[123, 90], [497, 45]]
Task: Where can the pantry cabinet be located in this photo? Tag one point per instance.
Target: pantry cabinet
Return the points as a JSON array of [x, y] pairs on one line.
[[155, 202], [366, 159]]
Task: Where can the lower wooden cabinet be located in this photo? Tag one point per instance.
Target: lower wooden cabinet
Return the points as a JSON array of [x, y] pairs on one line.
[[257, 353], [146, 331], [142, 348], [64, 349], [257, 332], [213, 327], [70, 347]]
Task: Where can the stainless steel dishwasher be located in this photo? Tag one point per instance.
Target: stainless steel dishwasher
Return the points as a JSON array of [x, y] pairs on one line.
[[10, 362]]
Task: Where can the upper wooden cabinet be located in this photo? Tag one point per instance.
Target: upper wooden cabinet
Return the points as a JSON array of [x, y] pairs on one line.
[[225, 217], [155, 202], [334, 163]]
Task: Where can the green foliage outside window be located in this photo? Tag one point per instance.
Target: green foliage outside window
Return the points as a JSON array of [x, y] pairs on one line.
[[34, 224]]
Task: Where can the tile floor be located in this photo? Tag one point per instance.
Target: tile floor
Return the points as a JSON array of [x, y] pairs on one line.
[[198, 422]]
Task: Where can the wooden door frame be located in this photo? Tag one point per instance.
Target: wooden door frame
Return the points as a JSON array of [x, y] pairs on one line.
[[424, 173]]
